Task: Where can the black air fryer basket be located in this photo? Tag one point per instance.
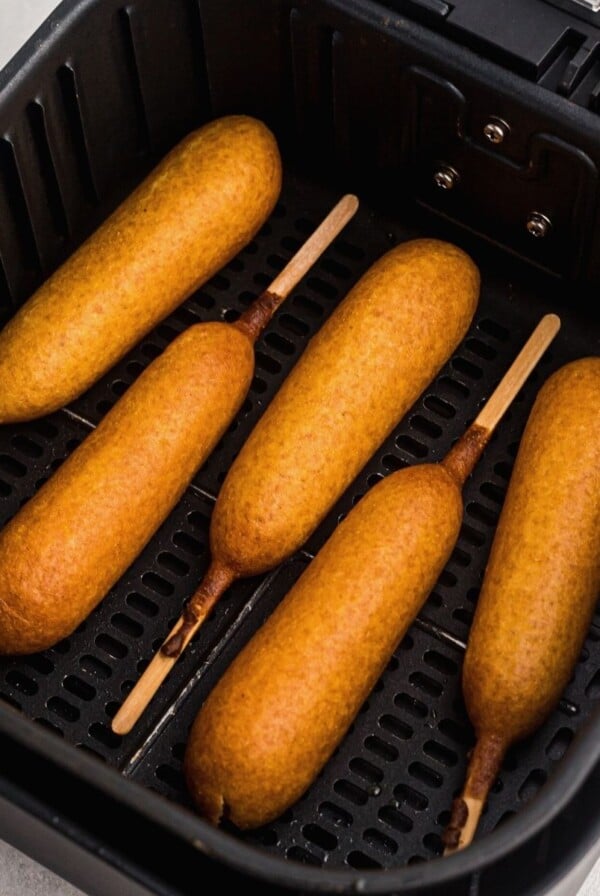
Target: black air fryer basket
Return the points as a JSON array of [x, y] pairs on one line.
[[387, 100]]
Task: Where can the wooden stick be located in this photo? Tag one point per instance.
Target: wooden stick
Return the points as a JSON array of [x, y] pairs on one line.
[[156, 672], [483, 769], [255, 319], [216, 581], [463, 456], [517, 373]]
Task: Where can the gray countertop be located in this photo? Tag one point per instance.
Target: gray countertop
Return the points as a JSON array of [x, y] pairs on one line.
[[19, 875]]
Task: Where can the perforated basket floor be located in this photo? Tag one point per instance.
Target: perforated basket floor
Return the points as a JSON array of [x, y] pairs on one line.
[[383, 799]]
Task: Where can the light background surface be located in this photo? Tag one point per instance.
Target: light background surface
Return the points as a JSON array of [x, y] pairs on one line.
[[19, 875]]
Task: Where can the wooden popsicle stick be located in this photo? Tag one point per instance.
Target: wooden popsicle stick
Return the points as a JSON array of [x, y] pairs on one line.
[[252, 322], [255, 319], [474, 807], [151, 680], [314, 246], [512, 381], [463, 456]]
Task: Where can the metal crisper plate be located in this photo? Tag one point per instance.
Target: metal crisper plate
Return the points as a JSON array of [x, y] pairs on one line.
[[383, 799]]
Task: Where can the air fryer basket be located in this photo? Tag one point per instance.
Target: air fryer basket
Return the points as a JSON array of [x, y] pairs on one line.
[[84, 112]]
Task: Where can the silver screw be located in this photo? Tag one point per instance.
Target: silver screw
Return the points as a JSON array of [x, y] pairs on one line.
[[446, 177], [538, 225], [496, 130]]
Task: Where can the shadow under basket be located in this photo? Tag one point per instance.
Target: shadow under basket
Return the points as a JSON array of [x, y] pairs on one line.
[[363, 99]]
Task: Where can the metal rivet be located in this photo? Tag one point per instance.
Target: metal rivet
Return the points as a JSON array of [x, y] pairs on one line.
[[496, 130], [538, 225], [446, 177]]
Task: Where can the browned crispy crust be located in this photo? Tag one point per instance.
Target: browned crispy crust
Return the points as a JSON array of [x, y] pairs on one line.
[[200, 206], [287, 700], [65, 549]]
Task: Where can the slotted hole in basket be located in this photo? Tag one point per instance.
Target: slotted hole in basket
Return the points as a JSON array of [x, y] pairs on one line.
[[463, 615], [63, 709], [322, 287], [309, 306], [471, 536], [350, 792], [320, 837], [503, 469], [482, 514], [157, 584], [425, 774], [336, 814], [266, 363], [189, 544], [426, 427], [425, 683], [454, 387], [413, 798], [280, 344], [396, 727], [532, 783], [481, 349], [27, 446], [12, 467], [411, 446], [440, 407], [362, 862], [336, 269], [79, 688], [467, 368], [349, 250], [460, 557], [395, 819], [111, 646], [411, 705], [380, 842], [21, 682], [277, 262], [294, 324], [381, 748], [559, 744], [142, 604], [440, 663], [393, 463], [433, 842], [492, 328], [119, 387], [493, 492], [127, 625], [40, 663], [94, 666], [440, 753], [366, 770], [456, 732], [173, 564]]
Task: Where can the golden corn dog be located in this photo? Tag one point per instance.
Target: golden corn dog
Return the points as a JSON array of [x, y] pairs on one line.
[[287, 700], [541, 583], [200, 206], [355, 381], [282, 707], [67, 547]]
